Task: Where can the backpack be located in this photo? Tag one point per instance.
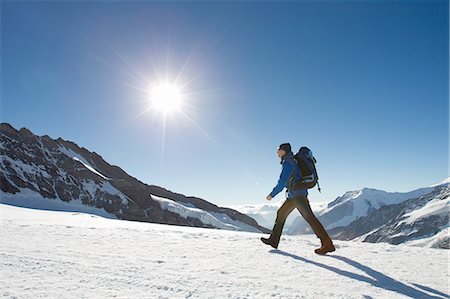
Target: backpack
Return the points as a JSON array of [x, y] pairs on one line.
[[306, 162]]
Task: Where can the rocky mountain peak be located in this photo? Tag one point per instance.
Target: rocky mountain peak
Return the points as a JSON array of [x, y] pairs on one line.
[[8, 129]]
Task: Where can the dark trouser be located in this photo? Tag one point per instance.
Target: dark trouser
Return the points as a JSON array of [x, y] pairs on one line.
[[302, 205]]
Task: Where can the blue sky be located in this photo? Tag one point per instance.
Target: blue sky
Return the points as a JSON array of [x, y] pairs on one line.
[[364, 84]]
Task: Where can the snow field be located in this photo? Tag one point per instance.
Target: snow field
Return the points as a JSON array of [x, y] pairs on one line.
[[47, 254]]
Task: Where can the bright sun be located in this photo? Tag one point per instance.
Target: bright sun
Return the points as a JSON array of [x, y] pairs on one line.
[[166, 98]]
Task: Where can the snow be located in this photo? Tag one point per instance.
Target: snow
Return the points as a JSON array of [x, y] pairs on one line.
[[378, 198], [433, 241], [108, 188], [439, 207], [92, 187], [79, 158], [346, 220], [446, 181], [48, 254], [405, 232], [22, 168], [89, 167], [31, 199], [218, 220]]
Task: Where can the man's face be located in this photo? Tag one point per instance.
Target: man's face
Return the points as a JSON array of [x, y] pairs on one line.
[[280, 153]]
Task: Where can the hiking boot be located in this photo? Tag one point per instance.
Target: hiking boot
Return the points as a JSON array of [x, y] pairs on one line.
[[326, 247], [268, 241]]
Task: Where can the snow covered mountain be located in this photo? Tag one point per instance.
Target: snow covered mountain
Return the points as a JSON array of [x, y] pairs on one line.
[[446, 181], [424, 217], [48, 254], [356, 204], [420, 217], [39, 172]]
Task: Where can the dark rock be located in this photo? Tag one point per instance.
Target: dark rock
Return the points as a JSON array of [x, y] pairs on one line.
[[6, 186]]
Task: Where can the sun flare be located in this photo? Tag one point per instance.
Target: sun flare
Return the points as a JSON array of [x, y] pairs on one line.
[[166, 97]]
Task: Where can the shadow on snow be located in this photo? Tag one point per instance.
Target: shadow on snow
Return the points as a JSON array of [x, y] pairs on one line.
[[376, 278]]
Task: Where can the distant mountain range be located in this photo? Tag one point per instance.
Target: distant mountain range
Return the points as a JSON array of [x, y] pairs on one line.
[[355, 204], [40, 172], [374, 215], [419, 217]]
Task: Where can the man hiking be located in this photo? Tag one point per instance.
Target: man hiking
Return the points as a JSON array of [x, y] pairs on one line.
[[296, 198]]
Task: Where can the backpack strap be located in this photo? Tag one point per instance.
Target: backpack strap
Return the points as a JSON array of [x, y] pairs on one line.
[[291, 184]]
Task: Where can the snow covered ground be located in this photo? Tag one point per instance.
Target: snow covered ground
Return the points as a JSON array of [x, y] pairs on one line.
[[49, 254]]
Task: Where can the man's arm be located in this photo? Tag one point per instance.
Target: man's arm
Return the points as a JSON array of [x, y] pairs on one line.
[[284, 177]]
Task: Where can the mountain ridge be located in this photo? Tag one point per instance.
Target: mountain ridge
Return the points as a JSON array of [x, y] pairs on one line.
[[372, 215], [394, 224], [60, 169], [355, 204]]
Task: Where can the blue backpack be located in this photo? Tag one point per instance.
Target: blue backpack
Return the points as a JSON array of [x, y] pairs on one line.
[[307, 164]]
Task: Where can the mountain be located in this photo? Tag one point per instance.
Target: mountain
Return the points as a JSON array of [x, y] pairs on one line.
[[354, 205], [48, 254], [39, 172], [416, 218], [420, 217], [446, 181]]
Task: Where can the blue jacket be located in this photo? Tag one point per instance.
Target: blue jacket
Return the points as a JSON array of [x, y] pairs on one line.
[[289, 168]]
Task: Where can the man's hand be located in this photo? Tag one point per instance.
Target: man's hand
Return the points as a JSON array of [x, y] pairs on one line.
[[269, 197]]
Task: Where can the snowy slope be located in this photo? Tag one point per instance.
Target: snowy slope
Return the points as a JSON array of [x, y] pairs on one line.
[[79, 158], [435, 207], [356, 204], [446, 181], [31, 199], [439, 240], [48, 254], [218, 220], [415, 219]]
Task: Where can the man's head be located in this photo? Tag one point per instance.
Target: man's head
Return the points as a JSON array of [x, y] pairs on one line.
[[283, 149]]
